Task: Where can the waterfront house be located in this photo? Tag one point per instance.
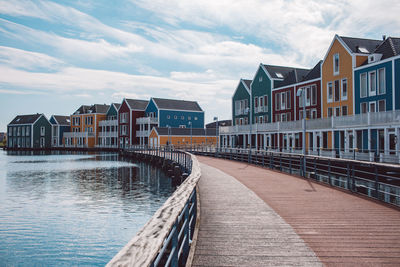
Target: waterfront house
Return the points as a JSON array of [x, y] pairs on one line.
[[59, 125], [172, 113], [128, 112], [241, 102], [108, 135], [29, 131], [179, 137], [84, 126]]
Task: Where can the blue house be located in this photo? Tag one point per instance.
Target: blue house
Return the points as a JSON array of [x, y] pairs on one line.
[[169, 113], [59, 125]]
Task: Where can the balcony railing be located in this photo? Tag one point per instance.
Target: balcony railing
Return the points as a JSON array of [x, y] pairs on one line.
[[108, 123], [108, 134], [78, 134], [147, 120], [144, 133]]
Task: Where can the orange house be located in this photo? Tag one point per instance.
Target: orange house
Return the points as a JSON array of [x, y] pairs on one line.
[[161, 136], [343, 55], [85, 126]]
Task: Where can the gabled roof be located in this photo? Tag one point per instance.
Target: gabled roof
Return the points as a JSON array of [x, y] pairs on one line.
[[185, 131], [25, 119], [137, 104], [99, 108], [62, 120], [294, 76], [389, 48], [361, 45], [281, 72], [247, 83], [173, 104], [314, 73], [82, 109], [117, 105]]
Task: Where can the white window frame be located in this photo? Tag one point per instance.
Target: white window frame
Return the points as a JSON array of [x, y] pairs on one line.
[[336, 71], [370, 82], [277, 102], [380, 101], [329, 98], [288, 100], [364, 74], [42, 130], [344, 81], [347, 110], [369, 106], [337, 112], [314, 95], [361, 107], [283, 100], [378, 81]]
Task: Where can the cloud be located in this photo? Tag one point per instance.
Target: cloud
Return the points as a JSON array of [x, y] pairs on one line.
[[17, 92]]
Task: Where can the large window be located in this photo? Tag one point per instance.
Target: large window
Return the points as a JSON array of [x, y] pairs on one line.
[[330, 92], [283, 100], [336, 64], [372, 83], [344, 89], [363, 85], [313, 95], [337, 91], [308, 96], [288, 99], [277, 102], [381, 81]]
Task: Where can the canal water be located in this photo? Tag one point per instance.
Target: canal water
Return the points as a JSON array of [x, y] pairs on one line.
[[73, 209]]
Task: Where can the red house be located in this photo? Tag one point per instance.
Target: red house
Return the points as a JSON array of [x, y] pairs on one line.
[[130, 110]]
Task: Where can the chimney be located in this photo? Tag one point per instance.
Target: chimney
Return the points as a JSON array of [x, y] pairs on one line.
[[383, 37]]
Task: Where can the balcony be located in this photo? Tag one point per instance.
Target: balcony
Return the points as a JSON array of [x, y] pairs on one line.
[[147, 120], [108, 134], [261, 109], [108, 123], [78, 134], [143, 133]]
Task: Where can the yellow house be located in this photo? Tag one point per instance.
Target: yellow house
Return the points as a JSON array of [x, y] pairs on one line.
[[343, 55], [161, 136]]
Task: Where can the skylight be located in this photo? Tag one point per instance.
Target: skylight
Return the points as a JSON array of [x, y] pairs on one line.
[[18, 119], [279, 75], [363, 50]]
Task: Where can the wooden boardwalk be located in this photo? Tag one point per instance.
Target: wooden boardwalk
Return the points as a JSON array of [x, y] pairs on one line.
[[340, 228]]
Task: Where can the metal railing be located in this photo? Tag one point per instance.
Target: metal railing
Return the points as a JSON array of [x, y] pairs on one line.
[[166, 238], [376, 180]]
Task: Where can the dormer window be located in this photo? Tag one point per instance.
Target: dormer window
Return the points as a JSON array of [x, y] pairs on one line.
[[279, 75], [363, 50], [335, 64]]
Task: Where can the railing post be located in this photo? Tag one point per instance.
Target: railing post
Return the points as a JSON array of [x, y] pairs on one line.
[[175, 246]]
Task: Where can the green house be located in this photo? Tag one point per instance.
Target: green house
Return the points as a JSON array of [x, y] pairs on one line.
[[29, 131], [240, 103]]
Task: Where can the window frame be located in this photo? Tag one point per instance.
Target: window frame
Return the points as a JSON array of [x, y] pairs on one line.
[[344, 81], [364, 74], [336, 71], [370, 82], [380, 101], [370, 104], [378, 81], [329, 96]]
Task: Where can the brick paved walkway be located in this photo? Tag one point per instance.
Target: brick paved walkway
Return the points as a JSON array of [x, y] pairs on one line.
[[237, 228], [342, 229]]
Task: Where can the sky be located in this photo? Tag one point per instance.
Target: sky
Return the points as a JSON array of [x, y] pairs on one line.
[[58, 55]]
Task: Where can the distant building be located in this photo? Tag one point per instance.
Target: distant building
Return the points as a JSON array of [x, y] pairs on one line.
[[108, 136], [161, 136], [29, 131], [3, 138], [220, 123], [59, 125]]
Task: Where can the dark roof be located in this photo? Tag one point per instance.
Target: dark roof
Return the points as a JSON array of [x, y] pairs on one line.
[[137, 104], [177, 104], [99, 108], [314, 73], [186, 131], [220, 123], [357, 45], [82, 109], [117, 105], [25, 119], [247, 82], [62, 120], [389, 48], [284, 71]]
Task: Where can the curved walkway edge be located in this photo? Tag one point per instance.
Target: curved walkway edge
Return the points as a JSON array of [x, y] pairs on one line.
[[342, 229], [237, 228]]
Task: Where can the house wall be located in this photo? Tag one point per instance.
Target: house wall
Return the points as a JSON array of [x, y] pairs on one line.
[[345, 71], [151, 107], [42, 121], [167, 117], [260, 86], [25, 140], [240, 94], [124, 108], [318, 106], [388, 95], [112, 111], [135, 114], [286, 110]]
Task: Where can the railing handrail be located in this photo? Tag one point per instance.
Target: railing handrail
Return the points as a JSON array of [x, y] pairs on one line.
[[144, 247]]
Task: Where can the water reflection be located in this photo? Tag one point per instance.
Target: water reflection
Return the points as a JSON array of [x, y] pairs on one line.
[[73, 209]]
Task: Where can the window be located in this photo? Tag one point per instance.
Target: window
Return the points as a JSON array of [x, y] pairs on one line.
[[265, 102], [168, 117], [256, 119], [260, 119], [381, 81], [283, 117], [256, 102], [336, 64], [189, 118], [314, 114], [337, 111], [313, 95], [9, 131], [288, 100], [344, 89], [372, 107], [182, 117], [330, 92], [344, 111], [261, 101], [308, 96], [288, 116], [382, 105], [372, 83], [260, 79], [175, 117], [277, 102], [15, 131], [195, 118], [277, 117], [42, 130], [27, 131], [283, 100], [337, 91], [23, 131], [363, 85]]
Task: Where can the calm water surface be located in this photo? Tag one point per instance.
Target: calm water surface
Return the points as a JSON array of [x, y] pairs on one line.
[[73, 209]]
